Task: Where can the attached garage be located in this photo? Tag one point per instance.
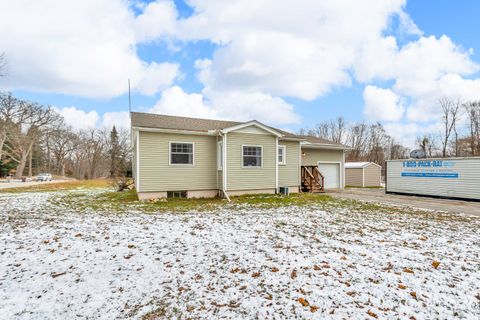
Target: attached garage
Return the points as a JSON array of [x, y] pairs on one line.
[[328, 157], [363, 174], [332, 174]]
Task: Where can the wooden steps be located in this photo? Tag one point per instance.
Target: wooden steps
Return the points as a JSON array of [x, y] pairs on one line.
[[312, 179]]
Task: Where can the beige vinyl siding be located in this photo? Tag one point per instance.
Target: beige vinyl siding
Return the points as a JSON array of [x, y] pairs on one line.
[[239, 178], [133, 138], [312, 156], [289, 173], [372, 176], [156, 174], [354, 177]]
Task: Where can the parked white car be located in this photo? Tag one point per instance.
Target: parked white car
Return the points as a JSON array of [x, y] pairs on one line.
[[44, 177]]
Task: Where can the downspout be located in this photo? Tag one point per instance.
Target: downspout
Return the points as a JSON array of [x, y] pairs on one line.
[[224, 166], [276, 164]]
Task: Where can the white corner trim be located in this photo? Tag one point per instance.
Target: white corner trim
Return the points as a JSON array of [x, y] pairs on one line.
[[138, 162], [224, 170], [276, 163]]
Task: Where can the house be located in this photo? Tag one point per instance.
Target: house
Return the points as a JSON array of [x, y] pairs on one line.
[[190, 157], [363, 174]]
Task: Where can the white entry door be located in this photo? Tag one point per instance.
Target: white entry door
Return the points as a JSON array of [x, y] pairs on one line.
[[331, 174]]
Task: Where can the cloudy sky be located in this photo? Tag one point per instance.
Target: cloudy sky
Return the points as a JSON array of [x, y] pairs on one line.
[[288, 63]]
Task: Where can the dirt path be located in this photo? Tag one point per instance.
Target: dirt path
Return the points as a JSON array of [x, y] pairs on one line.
[[378, 195]]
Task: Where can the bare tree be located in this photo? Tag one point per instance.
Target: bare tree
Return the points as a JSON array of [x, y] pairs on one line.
[[473, 113], [335, 130], [357, 140], [427, 144], [13, 114], [450, 109], [25, 136]]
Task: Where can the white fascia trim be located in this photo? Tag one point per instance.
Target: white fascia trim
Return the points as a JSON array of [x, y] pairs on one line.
[[323, 146], [291, 139], [252, 123], [189, 132]]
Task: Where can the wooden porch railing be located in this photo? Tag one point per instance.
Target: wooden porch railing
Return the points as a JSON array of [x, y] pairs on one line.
[[312, 179]]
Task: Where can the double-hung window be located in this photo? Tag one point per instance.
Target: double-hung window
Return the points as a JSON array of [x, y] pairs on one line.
[[181, 153], [252, 156], [282, 155]]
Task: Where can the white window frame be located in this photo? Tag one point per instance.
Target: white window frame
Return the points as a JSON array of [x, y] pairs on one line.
[[261, 157], [181, 164], [284, 154], [220, 155]]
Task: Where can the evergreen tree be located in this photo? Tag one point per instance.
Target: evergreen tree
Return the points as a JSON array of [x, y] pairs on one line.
[[115, 153]]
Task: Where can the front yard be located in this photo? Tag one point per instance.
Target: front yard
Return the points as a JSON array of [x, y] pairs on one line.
[[85, 253]]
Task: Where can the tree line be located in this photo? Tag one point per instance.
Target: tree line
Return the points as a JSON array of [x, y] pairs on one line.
[[460, 130], [368, 142], [35, 138], [458, 135]]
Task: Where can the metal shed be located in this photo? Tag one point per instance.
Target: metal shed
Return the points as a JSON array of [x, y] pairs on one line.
[[437, 177], [363, 174]]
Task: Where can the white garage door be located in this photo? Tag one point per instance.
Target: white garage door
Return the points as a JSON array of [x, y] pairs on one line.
[[331, 173]]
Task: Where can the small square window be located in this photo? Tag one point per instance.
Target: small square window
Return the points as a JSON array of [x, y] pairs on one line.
[[181, 153], [252, 156]]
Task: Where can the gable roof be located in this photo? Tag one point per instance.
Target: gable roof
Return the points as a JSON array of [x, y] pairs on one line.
[[160, 121]]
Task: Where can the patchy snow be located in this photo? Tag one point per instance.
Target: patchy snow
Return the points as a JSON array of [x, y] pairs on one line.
[[292, 262]]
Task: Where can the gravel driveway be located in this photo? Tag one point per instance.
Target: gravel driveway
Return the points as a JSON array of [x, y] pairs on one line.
[[379, 196]]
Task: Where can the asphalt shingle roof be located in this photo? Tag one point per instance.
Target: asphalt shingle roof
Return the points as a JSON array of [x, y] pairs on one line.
[[159, 121]]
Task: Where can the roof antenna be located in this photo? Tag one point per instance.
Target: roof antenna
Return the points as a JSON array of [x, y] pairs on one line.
[[129, 100]]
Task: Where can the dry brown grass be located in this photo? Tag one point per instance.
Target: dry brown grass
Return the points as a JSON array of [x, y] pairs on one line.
[[64, 185]]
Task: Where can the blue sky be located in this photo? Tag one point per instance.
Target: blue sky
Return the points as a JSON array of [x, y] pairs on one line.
[[161, 44]]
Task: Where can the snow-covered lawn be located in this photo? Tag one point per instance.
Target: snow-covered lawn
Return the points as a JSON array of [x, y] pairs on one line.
[[292, 262]]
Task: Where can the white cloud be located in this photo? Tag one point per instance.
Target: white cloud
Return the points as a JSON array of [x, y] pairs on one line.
[[79, 119], [175, 101], [83, 47], [158, 18], [300, 50], [382, 104], [226, 105], [119, 119]]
